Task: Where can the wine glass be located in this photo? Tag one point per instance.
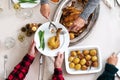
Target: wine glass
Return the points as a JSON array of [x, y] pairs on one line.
[[9, 42]]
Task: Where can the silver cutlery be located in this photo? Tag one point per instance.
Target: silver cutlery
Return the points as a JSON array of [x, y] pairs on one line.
[[41, 69], [5, 71], [52, 27]]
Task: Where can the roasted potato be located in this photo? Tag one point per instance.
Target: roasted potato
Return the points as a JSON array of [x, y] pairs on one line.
[[77, 67], [72, 36], [70, 58], [76, 60], [94, 58], [81, 55], [88, 57], [78, 52], [84, 67], [83, 61], [73, 53], [93, 52], [71, 65], [95, 64], [85, 52]]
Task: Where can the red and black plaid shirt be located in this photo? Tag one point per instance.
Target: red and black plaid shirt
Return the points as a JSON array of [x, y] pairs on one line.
[[22, 68]]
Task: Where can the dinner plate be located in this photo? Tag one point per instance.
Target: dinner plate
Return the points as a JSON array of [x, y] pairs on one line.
[[64, 39], [89, 70], [27, 5]]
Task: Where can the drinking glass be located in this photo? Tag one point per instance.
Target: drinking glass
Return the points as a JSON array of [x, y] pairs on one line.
[[24, 13], [9, 42]]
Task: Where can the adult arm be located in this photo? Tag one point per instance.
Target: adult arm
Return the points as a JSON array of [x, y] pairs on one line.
[[108, 73], [89, 8], [21, 69]]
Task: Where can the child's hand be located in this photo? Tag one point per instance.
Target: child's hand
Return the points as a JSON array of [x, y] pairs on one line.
[[59, 60], [32, 49], [112, 59]]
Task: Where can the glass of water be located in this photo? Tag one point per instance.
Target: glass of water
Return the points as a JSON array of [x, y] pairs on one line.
[[9, 42]]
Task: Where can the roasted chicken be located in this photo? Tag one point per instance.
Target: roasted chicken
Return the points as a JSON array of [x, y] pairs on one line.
[[70, 14], [54, 41]]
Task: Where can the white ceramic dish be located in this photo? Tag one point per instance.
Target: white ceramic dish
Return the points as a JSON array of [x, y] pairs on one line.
[[27, 5], [92, 70], [64, 39]]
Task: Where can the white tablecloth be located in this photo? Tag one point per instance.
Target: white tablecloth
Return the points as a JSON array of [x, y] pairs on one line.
[[105, 34]]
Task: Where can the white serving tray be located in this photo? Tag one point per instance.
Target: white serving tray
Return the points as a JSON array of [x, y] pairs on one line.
[[92, 70]]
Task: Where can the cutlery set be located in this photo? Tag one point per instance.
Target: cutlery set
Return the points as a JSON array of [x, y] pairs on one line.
[[53, 27]]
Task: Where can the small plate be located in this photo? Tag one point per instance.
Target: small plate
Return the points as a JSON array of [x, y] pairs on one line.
[[64, 39], [27, 5], [89, 70]]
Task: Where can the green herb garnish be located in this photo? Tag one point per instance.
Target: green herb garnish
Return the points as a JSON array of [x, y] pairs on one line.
[[41, 39]]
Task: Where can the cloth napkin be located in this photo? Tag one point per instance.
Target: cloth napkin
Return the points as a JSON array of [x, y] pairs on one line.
[[48, 69]]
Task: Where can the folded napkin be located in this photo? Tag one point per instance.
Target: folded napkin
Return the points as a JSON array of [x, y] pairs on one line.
[[48, 69]]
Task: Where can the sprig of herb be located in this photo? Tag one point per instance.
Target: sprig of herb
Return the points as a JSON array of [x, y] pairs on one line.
[[41, 39]]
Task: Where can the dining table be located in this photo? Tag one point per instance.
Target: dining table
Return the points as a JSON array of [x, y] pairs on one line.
[[105, 34]]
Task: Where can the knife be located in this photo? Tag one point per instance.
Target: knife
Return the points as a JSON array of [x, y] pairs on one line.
[[41, 69]]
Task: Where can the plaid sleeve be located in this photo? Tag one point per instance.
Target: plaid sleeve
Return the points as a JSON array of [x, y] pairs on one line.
[[21, 69], [57, 74]]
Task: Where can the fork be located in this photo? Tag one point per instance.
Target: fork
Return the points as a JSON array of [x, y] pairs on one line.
[[5, 61]]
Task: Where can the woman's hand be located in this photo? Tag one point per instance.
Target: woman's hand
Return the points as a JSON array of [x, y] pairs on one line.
[[45, 10], [59, 60], [77, 24]]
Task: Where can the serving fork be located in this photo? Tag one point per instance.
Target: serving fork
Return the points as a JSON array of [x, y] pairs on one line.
[[52, 27], [5, 71]]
